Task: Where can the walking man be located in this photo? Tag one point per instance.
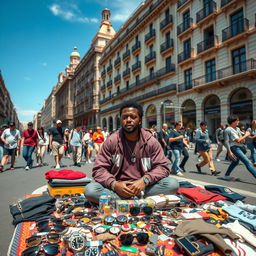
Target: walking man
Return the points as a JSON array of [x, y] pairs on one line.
[[3, 127], [57, 142], [75, 141], [29, 142], [11, 139], [219, 140]]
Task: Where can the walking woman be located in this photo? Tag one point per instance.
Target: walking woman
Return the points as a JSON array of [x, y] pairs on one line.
[[251, 141], [204, 148], [41, 147]]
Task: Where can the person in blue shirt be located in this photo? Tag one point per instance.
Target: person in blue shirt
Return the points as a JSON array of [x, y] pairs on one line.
[[75, 141]]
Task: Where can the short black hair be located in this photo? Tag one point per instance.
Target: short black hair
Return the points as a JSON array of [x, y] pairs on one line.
[[131, 104], [203, 123], [232, 118], [177, 123]]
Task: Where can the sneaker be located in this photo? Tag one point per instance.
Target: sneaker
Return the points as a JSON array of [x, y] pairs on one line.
[[75, 164], [180, 174], [217, 159], [183, 169], [215, 173], [57, 166], [198, 168], [78, 165], [89, 161], [27, 168], [31, 165]]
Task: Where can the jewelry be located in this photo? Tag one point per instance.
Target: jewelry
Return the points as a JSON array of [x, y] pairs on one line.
[[131, 153]]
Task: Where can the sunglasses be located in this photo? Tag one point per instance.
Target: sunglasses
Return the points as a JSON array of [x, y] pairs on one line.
[[127, 239], [48, 249], [51, 238], [136, 210], [64, 196], [50, 224]]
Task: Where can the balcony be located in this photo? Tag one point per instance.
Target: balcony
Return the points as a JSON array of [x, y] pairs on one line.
[[109, 68], [207, 11], [184, 56], [136, 48], [231, 73], [150, 58], [136, 67], [126, 55], [117, 79], [117, 62], [181, 3], [105, 99], [166, 71], [166, 47], [184, 87], [224, 3], [103, 73], [185, 26], [103, 87], [235, 29], [149, 37], [109, 84], [206, 44], [166, 23], [127, 73]]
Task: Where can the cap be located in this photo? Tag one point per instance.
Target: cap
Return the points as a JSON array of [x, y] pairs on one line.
[[12, 124], [58, 122], [30, 124], [4, 125]]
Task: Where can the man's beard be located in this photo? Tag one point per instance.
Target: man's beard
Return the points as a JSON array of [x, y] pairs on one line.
[[131, 130]]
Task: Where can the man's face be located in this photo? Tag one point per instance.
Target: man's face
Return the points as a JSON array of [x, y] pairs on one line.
[[12, 127], [30, 127], [59, 124], [204, 127], [130, 119]]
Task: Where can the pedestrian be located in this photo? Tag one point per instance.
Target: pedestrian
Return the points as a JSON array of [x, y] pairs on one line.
[[153, 130], [220, 140], [176, 144], [235, 142], [29, 143], [75, 142], [11, 139], [105, 133], [131, 161], [98, 139], [88, 142], [41, 147], [67, 147], [3, 127], [204, 149], [251, 141], [57, 142], [185, 149], [163, 139]]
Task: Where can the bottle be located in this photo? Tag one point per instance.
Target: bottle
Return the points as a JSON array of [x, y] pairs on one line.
[[102, 202], [112, 202]]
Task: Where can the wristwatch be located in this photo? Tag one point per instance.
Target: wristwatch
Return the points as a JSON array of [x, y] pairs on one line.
[[146, 181], [76, 242]]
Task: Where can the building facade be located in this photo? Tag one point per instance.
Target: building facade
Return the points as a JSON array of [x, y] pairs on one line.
[[7, 110], [86, 81], [64, 91], [37, 121], [189, 60]]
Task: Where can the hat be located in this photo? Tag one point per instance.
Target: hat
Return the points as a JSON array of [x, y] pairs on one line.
[[12, 124], [30, 124], [58, 122], [4, 125]]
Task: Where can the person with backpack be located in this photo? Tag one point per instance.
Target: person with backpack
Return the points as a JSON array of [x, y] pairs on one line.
[[75, 141], [29, 142], [219, 140]]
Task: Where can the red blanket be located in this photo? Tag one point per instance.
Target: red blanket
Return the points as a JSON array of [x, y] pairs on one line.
[[64, 174]]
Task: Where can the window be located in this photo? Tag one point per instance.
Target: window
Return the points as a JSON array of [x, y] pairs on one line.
[[137, 39], [127, 47], [187, 48], [127, 85], [151, 47], [118, 54], [210, 70], [127, 65], [137, 59], [137, 79], [151, 72], [207, 7], [236, 21], [118, 89], [239, 60], [151, 27], [167, 14], [168, 63], [168, 37], [118, 71], [186, 20], [109, 93], [188, 78]]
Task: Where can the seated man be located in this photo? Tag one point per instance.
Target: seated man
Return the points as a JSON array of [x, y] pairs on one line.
[[131, 161]]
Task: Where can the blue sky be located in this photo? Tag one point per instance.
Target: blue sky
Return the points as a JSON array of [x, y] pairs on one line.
[[37, 37]]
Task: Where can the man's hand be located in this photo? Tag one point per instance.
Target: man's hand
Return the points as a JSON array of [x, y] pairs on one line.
[[232, 156], [123, 189], [137, 186]]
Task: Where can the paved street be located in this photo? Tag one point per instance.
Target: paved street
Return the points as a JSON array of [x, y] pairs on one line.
[[17, 183]]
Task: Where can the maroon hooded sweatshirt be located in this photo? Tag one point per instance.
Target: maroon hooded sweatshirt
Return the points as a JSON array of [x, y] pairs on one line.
[[150, 160]]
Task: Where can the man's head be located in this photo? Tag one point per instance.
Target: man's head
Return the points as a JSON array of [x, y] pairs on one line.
[[233, 120], [12, 125], [203, 125], [178, 125], [131, 116], [90, 130], [30, 125], [98, 129], [154, 127], [165, 127], [58, 123], [222, 126], [4, 126], [78, 127]]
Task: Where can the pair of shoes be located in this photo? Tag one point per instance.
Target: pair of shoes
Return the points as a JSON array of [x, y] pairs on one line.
[[78, 165], [198, 168], [215, 173], [57, 166], [180, 174], [217, 159], [27, 168]]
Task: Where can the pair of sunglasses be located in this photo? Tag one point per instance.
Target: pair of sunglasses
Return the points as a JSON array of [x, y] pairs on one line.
[[136, 210], [57, 196], [50, 224], [127, 239], [52, 238], [48, 249]]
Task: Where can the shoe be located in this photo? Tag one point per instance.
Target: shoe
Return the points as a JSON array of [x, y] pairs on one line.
[[27, 168], [1, 168], [75, 164], [183, 169], [31, 165], [89, 161], [57, 166], [198, 168], [217, 159], [12, 168], [215, 173], [180, 174], [78, 165], [37, 164]]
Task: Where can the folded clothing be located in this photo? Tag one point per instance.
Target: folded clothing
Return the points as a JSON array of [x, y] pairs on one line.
[[64, 174], [58, 185], [64, 181], [32, 208]]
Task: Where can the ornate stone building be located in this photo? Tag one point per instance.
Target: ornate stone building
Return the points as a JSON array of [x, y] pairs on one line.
[[87, 77], [189, 60]]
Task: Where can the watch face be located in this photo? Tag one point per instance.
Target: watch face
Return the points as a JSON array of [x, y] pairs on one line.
[[109, 220], [133, 220], [121, 219], [77, 243], [92, 251], [114, 231], [100, 230]]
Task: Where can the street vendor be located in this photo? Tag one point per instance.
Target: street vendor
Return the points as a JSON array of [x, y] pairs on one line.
[[131, 161]]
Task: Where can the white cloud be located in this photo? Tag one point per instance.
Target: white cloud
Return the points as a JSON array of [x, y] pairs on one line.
[[70, 12], [25, 114], [27, 78]]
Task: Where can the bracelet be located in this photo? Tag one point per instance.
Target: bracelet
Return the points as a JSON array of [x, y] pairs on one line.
[[113, 184]]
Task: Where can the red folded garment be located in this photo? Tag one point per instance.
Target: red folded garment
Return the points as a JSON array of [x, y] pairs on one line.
[[200, 195], [64, 174]]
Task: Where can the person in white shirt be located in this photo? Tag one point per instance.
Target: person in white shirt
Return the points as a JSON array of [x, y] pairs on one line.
[[88, 142], [41, 147], [105, 133]]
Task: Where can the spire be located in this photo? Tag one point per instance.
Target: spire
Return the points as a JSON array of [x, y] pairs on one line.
[[106, 15]]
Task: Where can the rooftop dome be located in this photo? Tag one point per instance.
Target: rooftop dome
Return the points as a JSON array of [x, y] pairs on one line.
[[75, 53]]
